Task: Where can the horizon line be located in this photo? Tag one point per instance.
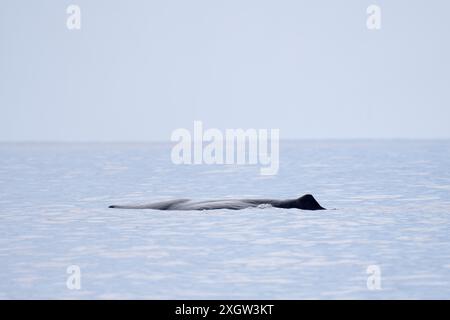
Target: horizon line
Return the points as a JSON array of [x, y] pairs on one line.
[[169, 141]]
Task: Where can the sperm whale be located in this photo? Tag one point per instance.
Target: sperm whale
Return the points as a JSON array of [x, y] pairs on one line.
[[306, 202]]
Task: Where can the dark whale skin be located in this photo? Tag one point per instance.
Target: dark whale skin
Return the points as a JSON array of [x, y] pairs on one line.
[[306, 202]]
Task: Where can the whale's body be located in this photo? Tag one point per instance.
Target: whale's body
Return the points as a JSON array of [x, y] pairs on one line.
[[306, 202]]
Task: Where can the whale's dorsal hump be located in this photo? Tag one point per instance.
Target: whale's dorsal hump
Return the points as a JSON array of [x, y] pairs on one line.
[[307, 202]]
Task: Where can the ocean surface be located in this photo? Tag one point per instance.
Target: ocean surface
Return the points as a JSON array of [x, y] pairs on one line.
[[392, 201]]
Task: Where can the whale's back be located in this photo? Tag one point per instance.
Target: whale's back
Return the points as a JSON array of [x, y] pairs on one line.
[[306, 202]]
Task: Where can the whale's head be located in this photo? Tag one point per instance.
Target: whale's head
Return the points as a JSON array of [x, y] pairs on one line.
[[307, 202]]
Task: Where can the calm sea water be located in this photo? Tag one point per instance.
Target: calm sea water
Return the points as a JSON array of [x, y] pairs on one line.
[[392, 201]]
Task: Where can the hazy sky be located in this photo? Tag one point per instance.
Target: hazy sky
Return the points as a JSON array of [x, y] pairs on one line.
[[137, 70]]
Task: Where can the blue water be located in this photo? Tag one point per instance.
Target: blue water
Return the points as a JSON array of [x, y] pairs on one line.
[[392, 201]]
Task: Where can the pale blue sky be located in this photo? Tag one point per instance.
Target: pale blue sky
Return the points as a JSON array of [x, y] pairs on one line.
[[137, 70]]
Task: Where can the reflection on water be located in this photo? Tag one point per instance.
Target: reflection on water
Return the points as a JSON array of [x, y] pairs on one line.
[[392, 203]]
